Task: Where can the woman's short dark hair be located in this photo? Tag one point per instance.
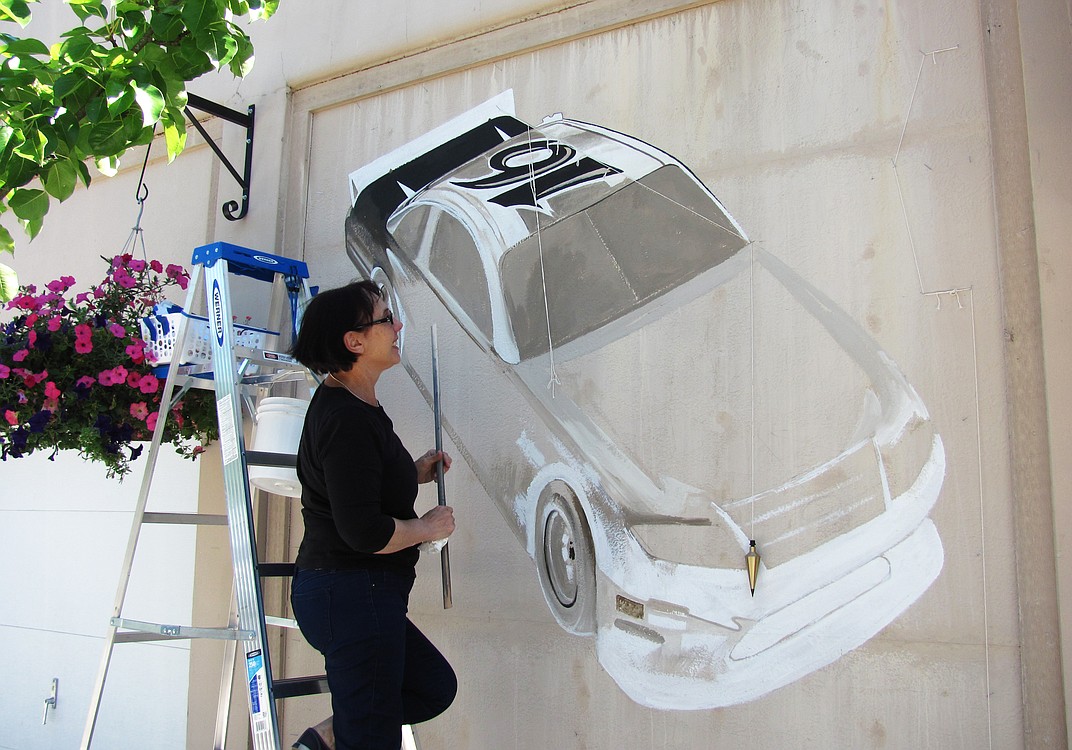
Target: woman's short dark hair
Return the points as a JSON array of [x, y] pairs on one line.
[[329, 315]]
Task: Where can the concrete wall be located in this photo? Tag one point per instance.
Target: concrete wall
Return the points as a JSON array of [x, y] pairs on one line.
[[64, 531], [903, 160]]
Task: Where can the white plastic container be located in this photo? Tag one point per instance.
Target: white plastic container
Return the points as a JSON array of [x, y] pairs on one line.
[[278, 430], [159, 330]]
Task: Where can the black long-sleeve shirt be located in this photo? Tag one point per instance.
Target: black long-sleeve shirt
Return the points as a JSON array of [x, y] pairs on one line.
[[356, 478]]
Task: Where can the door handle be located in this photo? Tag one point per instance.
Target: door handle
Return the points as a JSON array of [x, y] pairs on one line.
[[50, 701]]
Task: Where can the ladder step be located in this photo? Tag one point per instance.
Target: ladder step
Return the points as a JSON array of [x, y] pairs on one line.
[[281, 622], [279, 360], [148, 631], [264, 458], [275, 570], [291, 687], [199, 519]]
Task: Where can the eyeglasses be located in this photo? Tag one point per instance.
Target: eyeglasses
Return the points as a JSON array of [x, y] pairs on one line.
[[388, 318]]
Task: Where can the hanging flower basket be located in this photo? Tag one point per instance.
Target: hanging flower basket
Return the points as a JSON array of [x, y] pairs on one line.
[[76, 373]]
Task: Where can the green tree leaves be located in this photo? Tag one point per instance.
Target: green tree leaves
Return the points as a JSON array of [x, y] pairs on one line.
[[107, 86]]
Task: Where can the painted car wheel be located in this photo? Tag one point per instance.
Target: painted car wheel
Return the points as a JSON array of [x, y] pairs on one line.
[[566, 559]]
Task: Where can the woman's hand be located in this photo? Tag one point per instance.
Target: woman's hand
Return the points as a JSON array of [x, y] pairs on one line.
[[426, 465], [438, 523]]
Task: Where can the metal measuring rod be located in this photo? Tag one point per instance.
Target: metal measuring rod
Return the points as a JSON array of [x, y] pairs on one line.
[[444, 554]]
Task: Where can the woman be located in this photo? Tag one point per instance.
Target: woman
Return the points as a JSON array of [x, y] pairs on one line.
[[356, 563]]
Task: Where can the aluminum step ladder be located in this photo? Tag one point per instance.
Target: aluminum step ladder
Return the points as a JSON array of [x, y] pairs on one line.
[[235, 373]]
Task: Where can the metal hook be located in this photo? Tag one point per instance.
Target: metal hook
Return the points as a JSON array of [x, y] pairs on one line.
[[141, 210], [138, 196]]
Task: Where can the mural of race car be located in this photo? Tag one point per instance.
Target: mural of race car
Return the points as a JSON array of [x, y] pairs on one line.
[[568, 267]]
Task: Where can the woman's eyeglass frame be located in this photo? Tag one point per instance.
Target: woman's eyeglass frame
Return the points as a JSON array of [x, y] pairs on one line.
[[388, 318]]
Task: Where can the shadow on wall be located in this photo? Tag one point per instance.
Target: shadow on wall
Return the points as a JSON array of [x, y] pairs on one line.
[[597, 297]]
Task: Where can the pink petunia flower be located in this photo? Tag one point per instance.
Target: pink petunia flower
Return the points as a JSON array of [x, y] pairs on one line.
[[83, 346], [85, 381], [149, 384], [106, 377], [136, 352], [30, 379], [83, 331], [139, 410], [156, 265], [54, 323], [177, 274], [119, 373], [33, 338], [117, 330], [20, 355], [51, 391], [150, 421], [11, 417], [125, 280], [5, 371], [136, 265]]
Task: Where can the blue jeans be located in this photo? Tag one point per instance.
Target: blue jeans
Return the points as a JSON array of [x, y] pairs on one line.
[[382, 671]]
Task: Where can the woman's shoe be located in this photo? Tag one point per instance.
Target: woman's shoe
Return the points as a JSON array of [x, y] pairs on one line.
[[310, 740]]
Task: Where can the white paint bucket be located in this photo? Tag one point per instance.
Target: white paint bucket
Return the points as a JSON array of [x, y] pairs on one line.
[[278, 430]]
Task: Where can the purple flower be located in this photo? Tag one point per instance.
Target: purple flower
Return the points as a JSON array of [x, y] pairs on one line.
[[39, 420]]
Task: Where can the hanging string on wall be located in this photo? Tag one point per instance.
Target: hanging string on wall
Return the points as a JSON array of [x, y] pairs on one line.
[[751, 559], [553, 376]]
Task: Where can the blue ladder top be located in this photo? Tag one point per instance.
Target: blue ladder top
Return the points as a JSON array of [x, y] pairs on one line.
[[243, 261]]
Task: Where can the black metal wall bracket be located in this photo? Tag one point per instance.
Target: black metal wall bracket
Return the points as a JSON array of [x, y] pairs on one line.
[[246, 121]]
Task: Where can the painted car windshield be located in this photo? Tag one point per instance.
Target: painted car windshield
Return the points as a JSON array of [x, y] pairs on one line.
[[600, 263]]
